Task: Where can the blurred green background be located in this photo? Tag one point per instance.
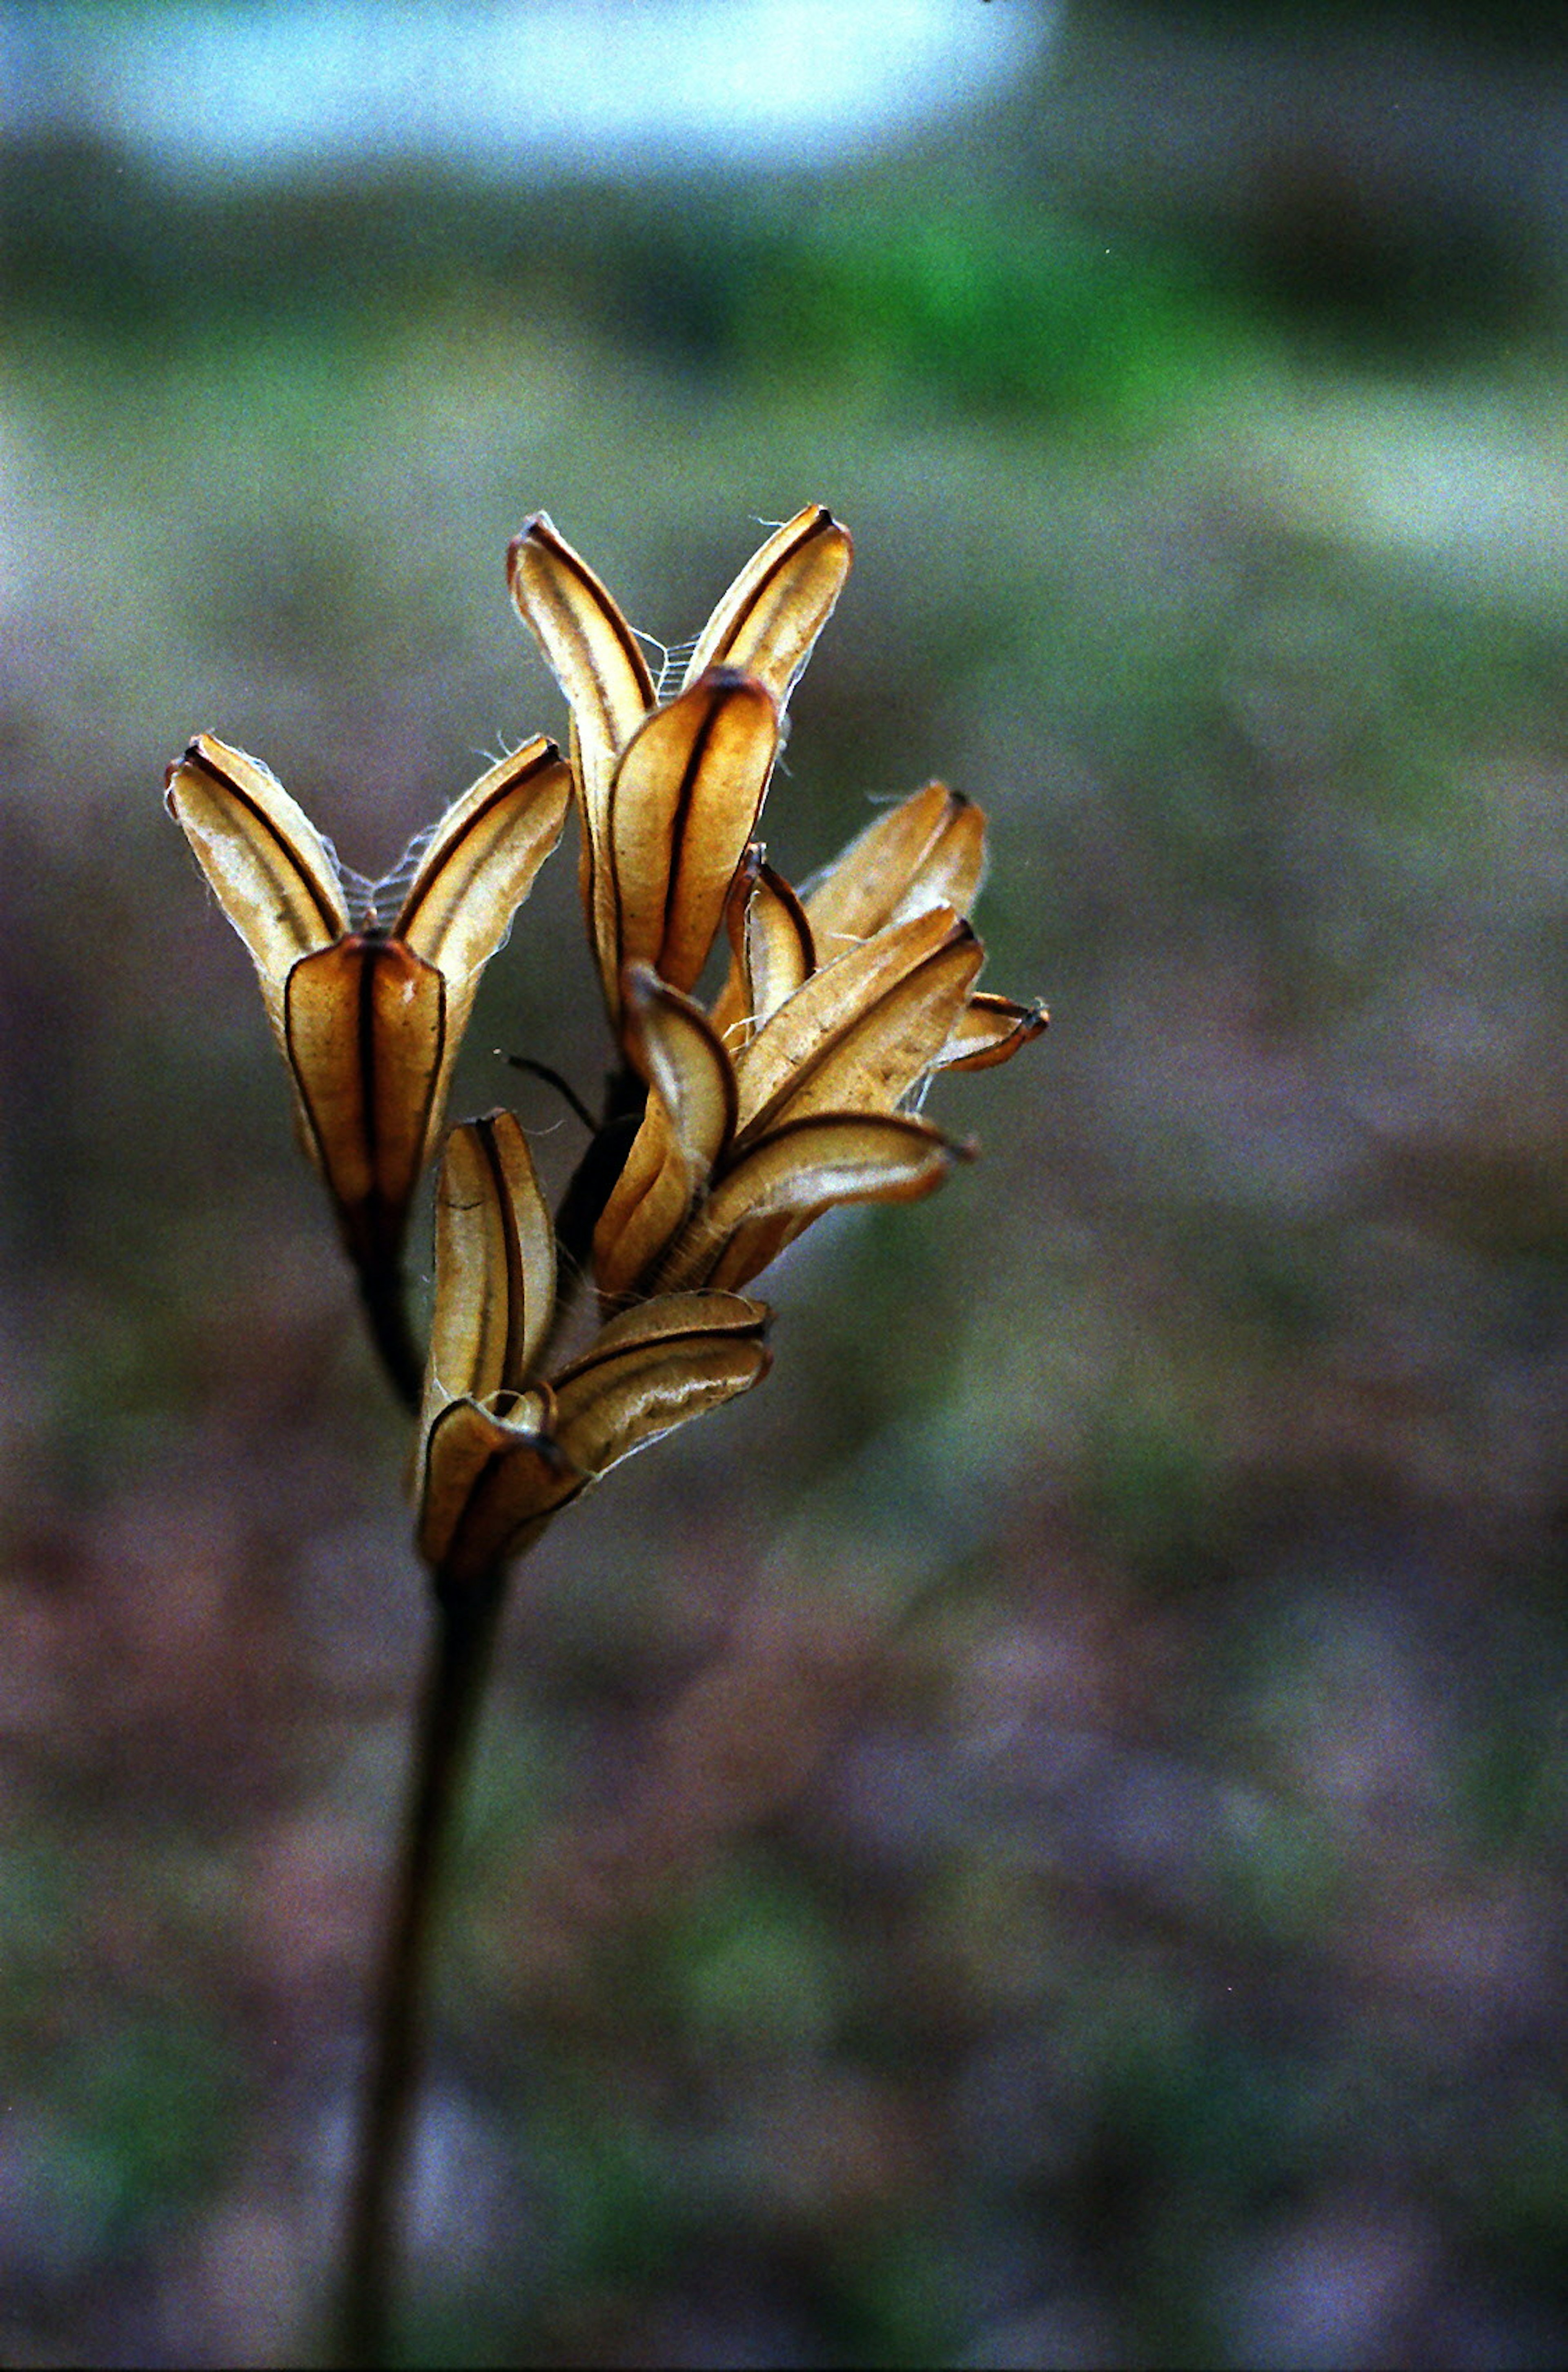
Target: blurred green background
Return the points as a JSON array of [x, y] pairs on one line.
[[1038, 1838]]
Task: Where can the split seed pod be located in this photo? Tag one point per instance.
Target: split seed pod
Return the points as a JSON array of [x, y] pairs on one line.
[[503, 1449], [670, 795], [368, 1017]]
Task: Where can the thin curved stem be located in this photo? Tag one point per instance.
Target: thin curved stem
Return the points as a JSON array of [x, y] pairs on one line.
[[454, 1685], [563, 1087]]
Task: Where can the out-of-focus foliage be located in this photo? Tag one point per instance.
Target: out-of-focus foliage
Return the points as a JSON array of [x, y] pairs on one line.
[[1040, 1838], [904, 283]]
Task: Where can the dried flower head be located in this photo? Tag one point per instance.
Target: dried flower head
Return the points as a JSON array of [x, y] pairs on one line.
[[797, 1090], [794, 1092], [728, 1128]]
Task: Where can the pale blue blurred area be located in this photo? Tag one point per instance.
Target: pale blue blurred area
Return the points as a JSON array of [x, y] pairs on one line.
[[546, 87]]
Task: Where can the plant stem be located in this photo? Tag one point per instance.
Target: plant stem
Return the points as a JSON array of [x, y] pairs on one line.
[[587, 1190], [454, 1684], [381, 1290]]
